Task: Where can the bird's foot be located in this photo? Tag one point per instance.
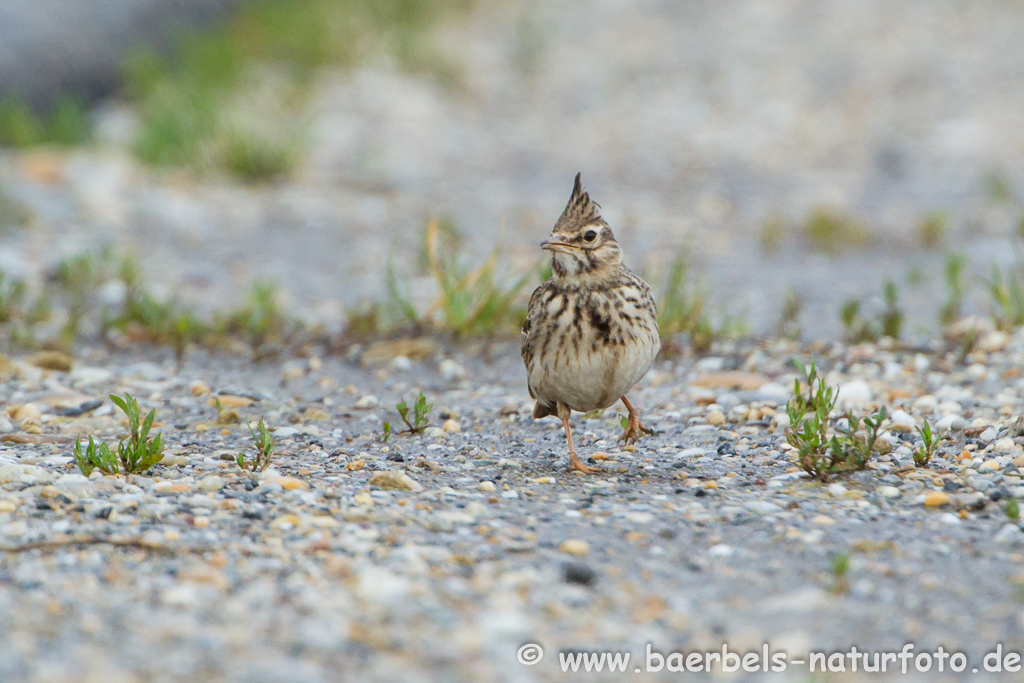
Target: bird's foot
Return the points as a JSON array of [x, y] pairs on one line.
[[635, 429], [576, 464]]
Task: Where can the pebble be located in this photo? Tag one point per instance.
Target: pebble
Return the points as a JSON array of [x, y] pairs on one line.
[[452, 426], [366, 402], [579, 573], [392, 479], [213, 483], [936, 499], [951, 423], [434, 433], [889, 492], [486, 487], [1005, 445], [715, 417], [451, 370], [837, 490], [575, 546], [854, 393], [901, 420]]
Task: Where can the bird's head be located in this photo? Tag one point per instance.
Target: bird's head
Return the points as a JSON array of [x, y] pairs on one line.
[[581, 242]]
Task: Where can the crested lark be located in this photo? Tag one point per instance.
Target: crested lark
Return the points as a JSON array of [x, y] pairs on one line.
[[591, 330]]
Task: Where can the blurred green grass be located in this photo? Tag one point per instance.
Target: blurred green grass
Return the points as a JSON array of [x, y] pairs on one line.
[[184, 100]]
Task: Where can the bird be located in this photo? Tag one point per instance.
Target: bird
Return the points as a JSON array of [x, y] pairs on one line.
[[591, 330]]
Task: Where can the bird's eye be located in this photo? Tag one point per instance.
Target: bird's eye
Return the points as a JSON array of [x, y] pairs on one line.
[[590, 235]]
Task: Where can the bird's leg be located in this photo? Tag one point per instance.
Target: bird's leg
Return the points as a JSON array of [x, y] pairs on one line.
[[574, 460], [634, 427]]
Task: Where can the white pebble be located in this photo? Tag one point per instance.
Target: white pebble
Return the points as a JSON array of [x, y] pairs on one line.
[[903, 420], [366, 402]]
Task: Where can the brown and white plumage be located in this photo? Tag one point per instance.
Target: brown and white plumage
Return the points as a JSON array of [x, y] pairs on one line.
[[591, 330]]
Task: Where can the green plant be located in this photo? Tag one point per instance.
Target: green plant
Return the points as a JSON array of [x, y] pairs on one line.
[[820, 453], [953, 273], [253, 157], [418, 422], [385, 435], [260, 460], [789, 323], [829, 231], [1007, 292], [681, 304], [773, 231], [139, 452], [97, 456], [260, 320], [932, 229], [470, 302], [65, 123], [929, 441], [840, 573], [135, 455], [1012, 509], [888, 323], [191, 101]]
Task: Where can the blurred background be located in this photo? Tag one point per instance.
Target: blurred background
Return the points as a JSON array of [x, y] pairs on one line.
[[803, 167]]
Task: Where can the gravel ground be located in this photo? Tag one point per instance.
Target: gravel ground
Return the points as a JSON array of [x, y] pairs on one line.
[[436, 557]]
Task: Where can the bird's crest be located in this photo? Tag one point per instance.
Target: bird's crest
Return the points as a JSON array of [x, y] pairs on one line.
[[579, 211]]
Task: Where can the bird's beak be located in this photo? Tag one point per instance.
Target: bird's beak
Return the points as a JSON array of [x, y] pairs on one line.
[[556, 246]]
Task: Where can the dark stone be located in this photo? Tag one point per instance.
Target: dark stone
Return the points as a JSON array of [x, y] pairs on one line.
[[578, 572]]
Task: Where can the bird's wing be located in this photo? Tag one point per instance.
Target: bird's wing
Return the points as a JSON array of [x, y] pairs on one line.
[[533, 311]]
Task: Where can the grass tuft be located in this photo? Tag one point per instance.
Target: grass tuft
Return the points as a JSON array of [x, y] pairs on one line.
[[415, 421], [264, 454], [831, 232], [65, 123], [824, 451], [135, 455]]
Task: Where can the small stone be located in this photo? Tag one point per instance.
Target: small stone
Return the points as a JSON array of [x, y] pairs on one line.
[[86, 376], [199, 388], [579, 573], [854, 393], [452, 426], [52, 360], [401, 363], [434, 433], [486, 487], [989, 435], [1005, 445], [902, 421], [836, 490], [715, 417], [889, 492], [989, 466], [451, 370], [575, 546], [1009, 534], [213, 483], [391, 479], [822, 520], [174, 460], [6, 426], [231, 401], [721, 550], [951, 423], [28, 412], [366, 402], [934, 499], [288, 483]]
